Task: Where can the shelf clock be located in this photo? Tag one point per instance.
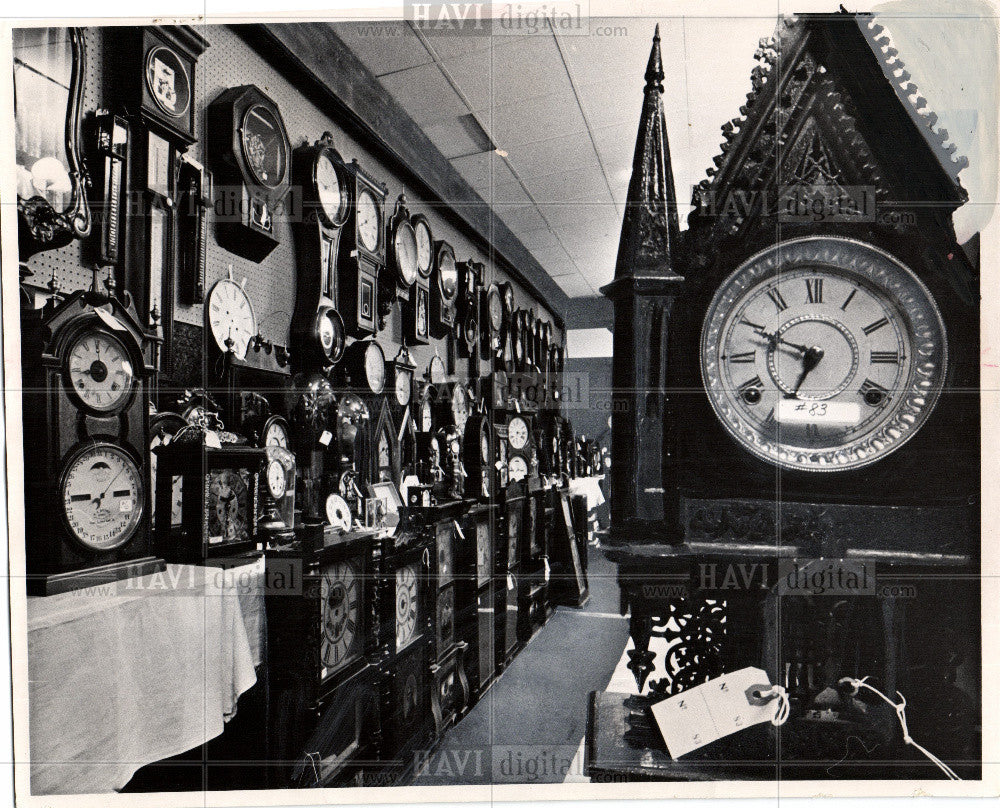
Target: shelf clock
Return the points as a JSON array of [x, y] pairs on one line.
[[384, 460], [361, 260], [86, 379], [470, 281], [444, 290], [344, 479], [249, 147], [401, 371], [479, 460], [277, 496], [402, 262], [317, 330], [218, 491], [416, 310]]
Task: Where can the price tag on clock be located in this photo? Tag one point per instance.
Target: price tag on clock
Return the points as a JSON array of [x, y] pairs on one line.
[[326, 437]]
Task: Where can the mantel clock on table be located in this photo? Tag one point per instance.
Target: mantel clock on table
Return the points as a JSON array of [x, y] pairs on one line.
[[823, 374]]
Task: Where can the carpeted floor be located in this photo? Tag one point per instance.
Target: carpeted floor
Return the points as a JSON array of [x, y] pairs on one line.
[[529, 725]]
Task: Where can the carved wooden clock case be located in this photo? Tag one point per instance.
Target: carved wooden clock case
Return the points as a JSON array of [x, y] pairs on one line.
[[87, 373]]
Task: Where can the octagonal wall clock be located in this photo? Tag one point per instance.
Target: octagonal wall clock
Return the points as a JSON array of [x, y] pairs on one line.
[[251, 157]]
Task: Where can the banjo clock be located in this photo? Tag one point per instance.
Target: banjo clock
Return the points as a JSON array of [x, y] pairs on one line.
[[249, 146], [444, 290], [416, 310], [86, 381], [318, 335], [361, 260], [402, 262]]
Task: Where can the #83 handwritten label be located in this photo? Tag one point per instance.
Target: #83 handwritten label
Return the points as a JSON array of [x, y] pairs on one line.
[[713, 710]]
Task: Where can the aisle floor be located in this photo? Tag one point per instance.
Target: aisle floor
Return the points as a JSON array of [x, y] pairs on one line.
[[529, 726]]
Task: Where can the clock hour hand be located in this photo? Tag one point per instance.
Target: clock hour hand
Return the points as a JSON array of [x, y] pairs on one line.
[[810, 360], [774, 339]]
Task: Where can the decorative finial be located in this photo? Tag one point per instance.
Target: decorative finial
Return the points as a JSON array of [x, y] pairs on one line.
[[654, 69]]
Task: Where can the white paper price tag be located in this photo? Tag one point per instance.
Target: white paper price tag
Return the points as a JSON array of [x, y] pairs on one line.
[[510, 582], [212, 440], [326, 437], [713, 710], [548, 570]]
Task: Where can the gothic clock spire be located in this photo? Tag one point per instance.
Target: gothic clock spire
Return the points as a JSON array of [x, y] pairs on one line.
[[650, 233]]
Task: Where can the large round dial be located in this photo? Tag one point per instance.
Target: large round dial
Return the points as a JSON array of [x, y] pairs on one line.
[[406, 605], [330, 190], [276, 479], [375, 367], [275, 432], [517, 468], [494, 305], [517, 433], [230, 317], [405, 249], [823, 354], [340, 603], [99, 371], [369, 221], [264, 146], [425, 246], [102, 494]]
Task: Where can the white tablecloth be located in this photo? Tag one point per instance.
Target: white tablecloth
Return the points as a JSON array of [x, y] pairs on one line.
[[590, 487], [127, 674]]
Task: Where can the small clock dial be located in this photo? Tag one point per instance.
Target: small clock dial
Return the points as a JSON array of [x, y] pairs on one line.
[[230, 317], [494, 305], [426, 419], [369, 221], [403, 387], [276, 433], [425, 247], [517, 433], [338, 513], [405, 247], [340, 604], [385, 456], [375, 367], [227, 505], [330, 190], [517, 468], [447, 275], [102, 497], [435, 370], [276, 479], [100, 372], [407, 602], [264, 146], [823, 354]]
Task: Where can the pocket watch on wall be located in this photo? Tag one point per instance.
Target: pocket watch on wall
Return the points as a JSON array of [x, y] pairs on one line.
[[823, 365]]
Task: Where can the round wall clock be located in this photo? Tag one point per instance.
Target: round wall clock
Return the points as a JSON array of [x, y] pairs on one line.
[[99, 373], [518, 433], [404, 247], [103, 495], [275, 432], [263, 141], [369, 220], [517, 468], [425, 245], [330, 334], [447, 273], [364, 366], [332, 190], [229, 317], [167, 81], [823, 354]]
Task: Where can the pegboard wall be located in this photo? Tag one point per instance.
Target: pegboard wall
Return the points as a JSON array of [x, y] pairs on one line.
[[229, 62]]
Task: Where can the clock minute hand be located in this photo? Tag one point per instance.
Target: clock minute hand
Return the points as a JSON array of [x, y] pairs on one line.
[[775, 338]]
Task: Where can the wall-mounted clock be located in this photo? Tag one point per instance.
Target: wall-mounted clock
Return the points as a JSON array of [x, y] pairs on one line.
[[520, 444], [401, 375], [470, 275], [362, 253], [444, 290], [249, 146], [317, 330], [352, 417], [277, 495], [451, 405], [479, 460], [409, 606], [364, 366], [416, 310], [450, 446], [435, 372], [401, 261], [384, 465], [491, 319], [230, 318]]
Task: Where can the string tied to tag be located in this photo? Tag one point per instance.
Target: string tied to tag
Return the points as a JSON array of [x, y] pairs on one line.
[[759, 695], [900, 708]]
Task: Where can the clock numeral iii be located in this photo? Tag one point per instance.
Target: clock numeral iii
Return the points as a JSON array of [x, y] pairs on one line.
[[885, 357]]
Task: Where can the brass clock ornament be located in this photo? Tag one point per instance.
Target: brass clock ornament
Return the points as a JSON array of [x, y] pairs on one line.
[[823, 354]]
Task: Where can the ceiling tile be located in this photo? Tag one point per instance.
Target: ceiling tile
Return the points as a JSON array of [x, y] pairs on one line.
[[383, 46], [477, 168], [448, 45], [528, 69], [424, 93], [541, 239], [552, 155], [472, 73], [584, 185], [598, 219], [523, 218], [575, 285], [556, 115], [452, 139]]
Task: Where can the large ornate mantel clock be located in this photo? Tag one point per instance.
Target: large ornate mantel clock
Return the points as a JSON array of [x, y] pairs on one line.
[[249, 146], [87, 374], [317, 332], [823, 365]]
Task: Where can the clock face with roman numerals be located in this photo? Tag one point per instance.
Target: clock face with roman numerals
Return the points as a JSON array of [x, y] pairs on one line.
[[340, 605], [823, 354]]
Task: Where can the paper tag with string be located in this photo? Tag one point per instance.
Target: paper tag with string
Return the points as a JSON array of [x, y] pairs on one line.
[[719, 708]]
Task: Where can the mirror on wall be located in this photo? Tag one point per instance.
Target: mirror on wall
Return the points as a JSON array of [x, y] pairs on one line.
[[51, 203]]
